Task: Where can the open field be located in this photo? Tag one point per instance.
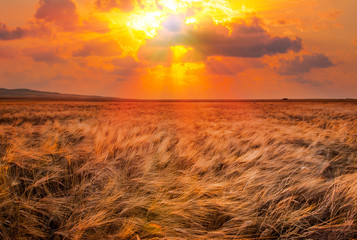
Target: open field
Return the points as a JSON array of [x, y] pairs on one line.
[[178, 170]]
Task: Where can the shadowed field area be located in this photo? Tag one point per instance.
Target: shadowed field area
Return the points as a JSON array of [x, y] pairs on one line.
[[178, 170]]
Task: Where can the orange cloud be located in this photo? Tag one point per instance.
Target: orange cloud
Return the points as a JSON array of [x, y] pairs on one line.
[[62, 13], [48, 56], [107, 5], [99, 47]]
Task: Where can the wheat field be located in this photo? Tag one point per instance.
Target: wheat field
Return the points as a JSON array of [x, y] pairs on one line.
[[181, 170]]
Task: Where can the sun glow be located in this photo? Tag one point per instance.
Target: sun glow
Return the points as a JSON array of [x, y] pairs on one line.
[[179, 52], [145, 22], [148, 22], [149, 17], [191, 20], [172, 5]]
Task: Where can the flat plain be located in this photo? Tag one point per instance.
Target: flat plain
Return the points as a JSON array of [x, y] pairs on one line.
[[184, 170]]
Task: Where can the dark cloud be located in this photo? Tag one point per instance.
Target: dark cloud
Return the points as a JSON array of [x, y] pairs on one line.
[[306, 81], [97, 47], [304, 64], [125, 67], [8, 34], [61, 12], [107, 5], [245, 40], [49, 56]]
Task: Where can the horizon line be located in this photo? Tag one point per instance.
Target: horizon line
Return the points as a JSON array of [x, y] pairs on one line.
[[58, 96], [114, 99]]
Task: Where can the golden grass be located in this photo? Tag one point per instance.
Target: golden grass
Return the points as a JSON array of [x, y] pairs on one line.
[[178, 170]]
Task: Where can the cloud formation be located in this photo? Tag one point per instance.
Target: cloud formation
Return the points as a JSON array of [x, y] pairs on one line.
[[107, 5], [304, 64], [246, 40], [125, 67], [63, 13], [46, 56], [307, 81], [98, 47], [8, 34], [189, 45]]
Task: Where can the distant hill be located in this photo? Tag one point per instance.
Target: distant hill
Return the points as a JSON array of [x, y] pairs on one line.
[[28, 94], [14, 94]]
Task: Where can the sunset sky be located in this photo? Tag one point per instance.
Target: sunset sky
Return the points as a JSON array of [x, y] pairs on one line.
[[181, 48]]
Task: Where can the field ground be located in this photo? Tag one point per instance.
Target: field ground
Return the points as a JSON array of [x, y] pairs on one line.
[[178, 170]]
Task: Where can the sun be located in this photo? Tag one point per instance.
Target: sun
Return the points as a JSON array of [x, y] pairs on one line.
[[149, 17], [147, 22]]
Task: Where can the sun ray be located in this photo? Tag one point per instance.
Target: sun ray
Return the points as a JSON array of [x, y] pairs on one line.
[[145, 20], [149, 17]]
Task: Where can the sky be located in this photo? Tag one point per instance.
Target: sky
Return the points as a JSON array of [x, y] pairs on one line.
[[181, 49]]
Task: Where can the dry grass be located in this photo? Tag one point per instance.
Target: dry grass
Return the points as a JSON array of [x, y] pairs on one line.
[[178, 171]]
